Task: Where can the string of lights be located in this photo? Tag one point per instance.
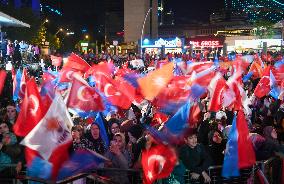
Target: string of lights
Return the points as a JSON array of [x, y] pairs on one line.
[[272, 10]]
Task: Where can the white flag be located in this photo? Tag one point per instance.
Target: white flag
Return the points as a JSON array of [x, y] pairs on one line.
[[53, 130]]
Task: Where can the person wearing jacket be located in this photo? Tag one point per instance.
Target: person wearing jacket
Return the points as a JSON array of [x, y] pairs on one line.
[[195, 158]]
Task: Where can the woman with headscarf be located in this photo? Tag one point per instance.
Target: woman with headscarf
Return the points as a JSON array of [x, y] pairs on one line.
[[94, 136], [270, 135]]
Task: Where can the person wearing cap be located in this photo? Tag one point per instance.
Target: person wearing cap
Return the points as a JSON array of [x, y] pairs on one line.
[[195, 158]]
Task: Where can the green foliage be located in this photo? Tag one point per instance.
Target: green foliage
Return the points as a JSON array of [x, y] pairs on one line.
[[263, 29], [54, 42]]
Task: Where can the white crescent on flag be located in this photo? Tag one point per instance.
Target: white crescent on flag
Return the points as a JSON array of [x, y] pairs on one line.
[[160, 159], [35, 103], [80, 94]]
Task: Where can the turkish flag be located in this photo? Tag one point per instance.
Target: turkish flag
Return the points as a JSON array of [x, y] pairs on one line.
[[101, 69], [263, 87], [216, 88], [77, 63], [158, 162], [119, 92], [24, 80], [66, 74], [3, 76], [84, 97], [32, 110]]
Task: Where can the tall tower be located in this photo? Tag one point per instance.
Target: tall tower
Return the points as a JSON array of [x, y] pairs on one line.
[[114, 17], [161, 9], [272, 10], [135, 12]]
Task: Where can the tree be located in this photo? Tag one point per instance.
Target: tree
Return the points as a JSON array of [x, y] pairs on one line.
[[263, 29], [40, 36]]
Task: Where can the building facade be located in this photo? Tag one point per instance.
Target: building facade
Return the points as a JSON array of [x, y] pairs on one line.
[[258, 9], [135, 12], [114, 17]]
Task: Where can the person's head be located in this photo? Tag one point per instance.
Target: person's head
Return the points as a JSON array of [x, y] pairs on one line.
[[6, 139], [77, 131], [221, 117], [119, 140], [270, 132], [191, 138], [215, 137], [95, 131], [4, 128], [135, 132], [11, 112], [114, 126]]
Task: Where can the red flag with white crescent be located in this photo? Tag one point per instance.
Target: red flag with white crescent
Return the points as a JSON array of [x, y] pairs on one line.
[[84, 97], [32, 110], [158, 162], [3, 76], [24, 80]]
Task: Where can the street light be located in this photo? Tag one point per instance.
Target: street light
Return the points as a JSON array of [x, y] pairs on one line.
[[45, 21], [59, 30], [87, 36], [142, 31]]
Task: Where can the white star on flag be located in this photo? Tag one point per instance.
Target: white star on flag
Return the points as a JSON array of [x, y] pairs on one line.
[[159, 81]]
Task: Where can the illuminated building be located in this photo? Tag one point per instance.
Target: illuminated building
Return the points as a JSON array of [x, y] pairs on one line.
[[51, 7], [135, 12], [272, 10], [34, 4]]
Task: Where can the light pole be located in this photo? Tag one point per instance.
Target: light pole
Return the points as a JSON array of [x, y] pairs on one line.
[[59, 30], [142, 31]]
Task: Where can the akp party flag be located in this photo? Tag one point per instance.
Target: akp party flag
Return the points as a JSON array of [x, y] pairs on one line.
[[52, 131], [82, 161], [152, 84]]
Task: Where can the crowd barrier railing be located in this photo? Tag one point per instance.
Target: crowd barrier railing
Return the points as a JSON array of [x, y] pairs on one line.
[[105, 175]]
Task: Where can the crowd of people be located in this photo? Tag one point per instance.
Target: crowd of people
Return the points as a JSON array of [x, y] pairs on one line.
[[203, 145], [18, 52]]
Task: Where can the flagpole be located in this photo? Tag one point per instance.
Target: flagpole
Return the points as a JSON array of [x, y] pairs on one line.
[[142, 31]]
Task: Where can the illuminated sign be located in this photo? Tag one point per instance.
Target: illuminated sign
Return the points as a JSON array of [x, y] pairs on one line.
[[257, 43], [206, 43], [83, 44], [168, 43]]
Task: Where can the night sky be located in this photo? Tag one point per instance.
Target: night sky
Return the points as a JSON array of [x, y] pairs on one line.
[[199, 10], [185, 10]]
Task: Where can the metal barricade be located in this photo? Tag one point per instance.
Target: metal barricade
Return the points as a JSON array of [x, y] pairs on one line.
[[106, 176]]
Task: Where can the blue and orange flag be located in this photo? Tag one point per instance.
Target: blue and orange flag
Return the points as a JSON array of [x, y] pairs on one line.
[[152, 84]]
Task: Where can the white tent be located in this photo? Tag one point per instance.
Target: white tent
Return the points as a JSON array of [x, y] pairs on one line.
[[6, 20]]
